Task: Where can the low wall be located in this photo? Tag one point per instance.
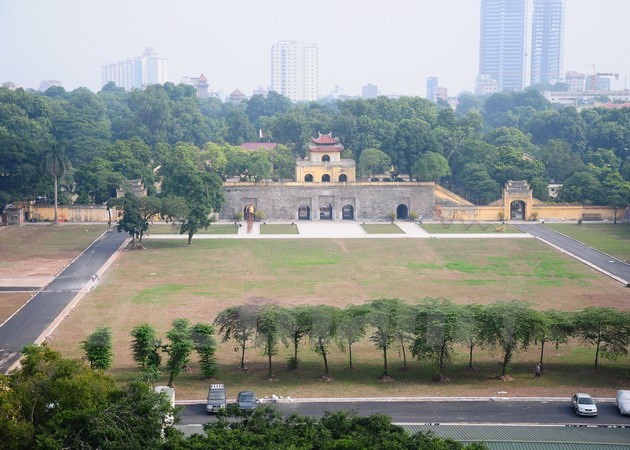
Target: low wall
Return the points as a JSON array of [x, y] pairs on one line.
[[71, 213], [556, 212], [540, 212]]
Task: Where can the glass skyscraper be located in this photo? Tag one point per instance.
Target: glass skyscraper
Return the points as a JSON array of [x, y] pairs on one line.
[[502, 42], [547, 41]]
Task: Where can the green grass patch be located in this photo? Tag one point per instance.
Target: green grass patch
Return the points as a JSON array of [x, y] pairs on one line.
[[165, 228], [545, 267], [486, 228], [606, 237], [164, 293], [382, 228], [279, 228]]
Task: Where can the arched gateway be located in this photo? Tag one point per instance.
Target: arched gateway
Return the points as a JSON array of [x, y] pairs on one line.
[[518, 200]]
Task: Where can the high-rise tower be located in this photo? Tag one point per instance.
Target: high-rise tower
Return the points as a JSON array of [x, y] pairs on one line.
[[502, 42], [294, 70], [547, 41], [136, 73]]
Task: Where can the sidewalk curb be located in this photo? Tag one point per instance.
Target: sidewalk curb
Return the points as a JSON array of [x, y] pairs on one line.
[[407, 399]]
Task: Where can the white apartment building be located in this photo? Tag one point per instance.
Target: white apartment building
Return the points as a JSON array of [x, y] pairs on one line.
[[136, 73], [294, 71]]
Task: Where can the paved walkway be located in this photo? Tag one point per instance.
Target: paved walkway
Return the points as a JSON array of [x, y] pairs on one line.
[[346, 230]]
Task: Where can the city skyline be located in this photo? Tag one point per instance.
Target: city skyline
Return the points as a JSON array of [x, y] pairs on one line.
[[395, 47]]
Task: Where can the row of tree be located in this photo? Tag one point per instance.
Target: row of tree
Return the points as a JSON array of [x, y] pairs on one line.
[[147, 348], [52, 402], [115, 135], [429, 330]]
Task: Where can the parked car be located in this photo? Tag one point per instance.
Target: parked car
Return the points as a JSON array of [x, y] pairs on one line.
[[583, 405], [622, 400], [217, 399], [246, 400]]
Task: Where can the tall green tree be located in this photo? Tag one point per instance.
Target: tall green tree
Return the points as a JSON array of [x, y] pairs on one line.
[[132, 220], [206, 347], [324, 328], [555, 327], [238, 323], [185, 176], [56, 164], [270, 326], [606, 329], [98, 348], [508, 326], [373, 162], [145, 345], [431, 166], [388, 318], [353, 323], [298, 326], [436, 331], [469, 327], [178, 349]]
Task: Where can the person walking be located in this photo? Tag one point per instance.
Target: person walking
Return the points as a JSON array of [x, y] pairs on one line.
[[538, 370]]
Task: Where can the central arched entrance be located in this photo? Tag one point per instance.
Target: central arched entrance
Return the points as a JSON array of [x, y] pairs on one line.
[[325, 212], [347, 212], [402, 212], [304, 212], [325, 177], [517, 210]]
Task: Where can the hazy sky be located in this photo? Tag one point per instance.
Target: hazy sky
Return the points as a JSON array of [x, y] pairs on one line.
[[394, 44]]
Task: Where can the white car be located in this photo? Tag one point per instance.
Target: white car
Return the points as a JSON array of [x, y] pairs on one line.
[[583, 405], [622, 400]]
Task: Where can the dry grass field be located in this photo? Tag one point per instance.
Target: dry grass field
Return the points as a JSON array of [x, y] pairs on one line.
[[38, 251], [170, 279], [41, 249]]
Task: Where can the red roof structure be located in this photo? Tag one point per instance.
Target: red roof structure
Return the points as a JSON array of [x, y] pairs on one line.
[[611, 105], [325, 139]]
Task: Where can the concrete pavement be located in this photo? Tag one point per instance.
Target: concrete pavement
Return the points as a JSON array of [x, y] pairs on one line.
[[344, 230]]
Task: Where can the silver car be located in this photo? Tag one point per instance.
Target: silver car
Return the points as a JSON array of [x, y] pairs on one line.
[[246, 400], [583, 405]]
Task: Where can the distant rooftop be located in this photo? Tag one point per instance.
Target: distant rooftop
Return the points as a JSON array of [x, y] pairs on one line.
[[259, 145]]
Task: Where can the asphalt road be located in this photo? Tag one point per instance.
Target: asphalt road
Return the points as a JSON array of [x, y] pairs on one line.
[[32, 320], [435, 412], [596, 258]]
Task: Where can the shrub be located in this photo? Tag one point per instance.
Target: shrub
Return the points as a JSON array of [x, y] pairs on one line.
[[98, 348]]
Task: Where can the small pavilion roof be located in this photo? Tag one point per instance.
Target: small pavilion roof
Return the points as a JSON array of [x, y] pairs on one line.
[[325, 139]]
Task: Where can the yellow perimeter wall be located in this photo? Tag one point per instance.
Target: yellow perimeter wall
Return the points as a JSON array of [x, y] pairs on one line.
[[71, 213], [92, 213], [542, 212]]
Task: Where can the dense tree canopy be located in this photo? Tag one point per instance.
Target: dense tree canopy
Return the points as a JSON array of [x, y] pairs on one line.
[[115, 135]]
